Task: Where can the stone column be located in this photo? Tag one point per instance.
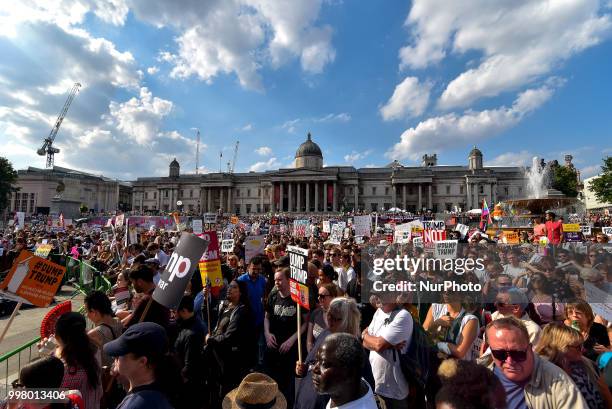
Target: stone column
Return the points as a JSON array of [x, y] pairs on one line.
[[492, 197], [208, 201], [221, 198], [429, 201], [229, 200], [325, 197], [298, 200], [307, 197], [475, 193], [404, 197], [335, 198], [316, 197], [290, 197], [272, 204], [394, 193], [159, 199], [282, 192], [420, 199], [261, 196], [468, 202], [356, 198]]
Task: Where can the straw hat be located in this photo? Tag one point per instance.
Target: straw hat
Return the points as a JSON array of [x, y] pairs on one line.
[[255, 389]]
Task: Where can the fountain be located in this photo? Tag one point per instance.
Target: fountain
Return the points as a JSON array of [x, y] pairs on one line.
[[541, 196]]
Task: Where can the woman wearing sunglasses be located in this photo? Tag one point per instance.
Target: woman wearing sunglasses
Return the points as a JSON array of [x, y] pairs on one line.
[[563, 345], [318, 318]]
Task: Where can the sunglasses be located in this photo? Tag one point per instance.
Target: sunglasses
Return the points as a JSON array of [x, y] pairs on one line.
[[502, 355], [323, 296]]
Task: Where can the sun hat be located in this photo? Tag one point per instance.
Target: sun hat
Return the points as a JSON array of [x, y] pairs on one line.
[[255, 391]]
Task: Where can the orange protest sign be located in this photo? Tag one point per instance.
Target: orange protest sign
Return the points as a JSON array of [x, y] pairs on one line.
[[234, 220], [511, 237], [33, 279]]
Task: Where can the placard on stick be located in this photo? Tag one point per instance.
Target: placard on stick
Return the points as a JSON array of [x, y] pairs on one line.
[[298, 263]]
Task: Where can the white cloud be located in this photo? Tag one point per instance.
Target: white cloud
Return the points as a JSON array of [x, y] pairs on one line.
[[522, 158], [152, 70], [247, 128], [520, 41], [410, 98], [589, 171], [290, 125], [271, 163], [454, 130], [140, 118], [240, 36], [341, 117], [264, 151], [356, 156]]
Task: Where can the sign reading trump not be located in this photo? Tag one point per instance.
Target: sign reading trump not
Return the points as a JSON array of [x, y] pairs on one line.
[[181, 266]]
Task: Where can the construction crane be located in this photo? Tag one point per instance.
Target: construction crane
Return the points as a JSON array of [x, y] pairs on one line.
[[197, 161], [231, 168], [48, 148]]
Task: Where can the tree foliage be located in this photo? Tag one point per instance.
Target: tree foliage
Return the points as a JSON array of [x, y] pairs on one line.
[[565, 180], [8, 177], [602, 185]]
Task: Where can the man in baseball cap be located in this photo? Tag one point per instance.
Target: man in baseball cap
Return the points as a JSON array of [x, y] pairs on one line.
[[140, 354]]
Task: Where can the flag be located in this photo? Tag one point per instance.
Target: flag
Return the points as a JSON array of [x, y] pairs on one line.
[[485, 216], [127, 234], [61, 218]]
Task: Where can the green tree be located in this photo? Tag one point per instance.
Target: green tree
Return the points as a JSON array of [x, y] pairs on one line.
[[83, 208], [602, 186], [565, 180], [8, 177]]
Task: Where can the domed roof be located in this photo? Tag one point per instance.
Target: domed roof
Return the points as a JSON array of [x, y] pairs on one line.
[[174, 163], [309, 148], [475, 152]]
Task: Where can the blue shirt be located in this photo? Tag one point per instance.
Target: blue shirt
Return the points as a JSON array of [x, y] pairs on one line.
[[515, 392], [256, 293]]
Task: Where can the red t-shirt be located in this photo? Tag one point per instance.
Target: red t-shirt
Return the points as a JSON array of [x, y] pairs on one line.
[[554, 231]]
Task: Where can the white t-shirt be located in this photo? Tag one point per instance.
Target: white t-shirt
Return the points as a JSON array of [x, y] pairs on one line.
[[388, 376], [344, 276], [367, 401], [512, 271], [439, 310]]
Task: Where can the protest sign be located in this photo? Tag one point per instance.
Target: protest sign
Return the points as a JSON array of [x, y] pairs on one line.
[[20, 220], [600, 301], [181, 266], [434, 224], [402, 233], [511, 237], [433, 235], [301, 228], [326, 226], [607, 231], [336, 234], [234, 220], [347, 233], [571, 236], [586, 230], [132, 232], [417, 242], [119, 220], [33, 279], [211, 218], [298, 263], [358, 239], [253, 245], [43, 250], [446, 249], [227, 246], [196, 225], [210, 262], [571, 227], [462, 229], [362, 225]]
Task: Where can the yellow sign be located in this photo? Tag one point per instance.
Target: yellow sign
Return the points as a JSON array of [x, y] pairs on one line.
[[511, 237], [234, 219], [571, 228]]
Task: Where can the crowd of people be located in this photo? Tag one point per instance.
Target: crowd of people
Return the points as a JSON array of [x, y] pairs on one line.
[[531, 337]]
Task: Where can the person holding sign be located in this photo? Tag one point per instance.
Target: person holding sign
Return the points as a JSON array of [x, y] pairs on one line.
[[142, 280], [281, 336]]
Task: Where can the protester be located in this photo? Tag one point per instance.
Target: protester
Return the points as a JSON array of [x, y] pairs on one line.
[[141, 356], [107, 327], [337, 373], [562, 345], [145, 308], [318, 318], [256, 284], [528, 380], [596, 340]]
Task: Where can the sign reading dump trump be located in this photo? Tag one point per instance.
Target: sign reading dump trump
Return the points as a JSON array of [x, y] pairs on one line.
[[299, 274], [181, 266], [33, 279]]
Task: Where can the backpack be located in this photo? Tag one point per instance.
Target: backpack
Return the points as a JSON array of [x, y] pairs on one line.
[[420, 362]]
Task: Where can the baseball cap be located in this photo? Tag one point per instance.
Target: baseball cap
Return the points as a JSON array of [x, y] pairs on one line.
[[144, 338], [282, 262]]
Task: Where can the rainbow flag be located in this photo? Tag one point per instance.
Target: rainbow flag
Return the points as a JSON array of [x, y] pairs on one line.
[[485, 216]]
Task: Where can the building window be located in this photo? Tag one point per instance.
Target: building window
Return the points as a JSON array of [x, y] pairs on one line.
[[32, 208], [449, 206], [248, 208], [146, 208], [506, 191], [461, 189], [373, 190], [165, 193], [434, 189], [258, 208], [154, 195], [191, 193], [361, 191], [520, 190], [481, 189], [410, 191], [191, 208], [17, 201], [387, 206], [461, 206], [237, 210], [435, 208], [237, 192], [447, 189], [351, 190], [248, 194], [374, 207], [386, 191]]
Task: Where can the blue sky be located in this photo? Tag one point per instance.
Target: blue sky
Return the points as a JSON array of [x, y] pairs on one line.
[[373, 81]]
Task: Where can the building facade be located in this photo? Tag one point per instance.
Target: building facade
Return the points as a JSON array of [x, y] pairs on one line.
[[44, 191], [310, 187], [588, 196]]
